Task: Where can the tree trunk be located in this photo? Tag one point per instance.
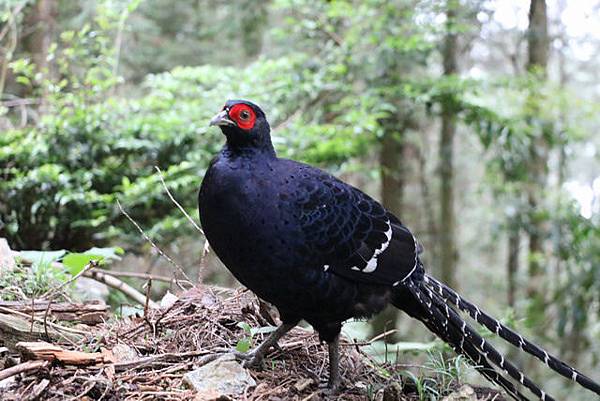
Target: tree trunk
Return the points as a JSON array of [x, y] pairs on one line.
[[253, 22], [41, 19], [514, 242], [538, 41], [448, 250], [392, 172]]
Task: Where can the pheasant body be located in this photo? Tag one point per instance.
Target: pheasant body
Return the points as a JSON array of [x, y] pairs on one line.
[[323, 251]]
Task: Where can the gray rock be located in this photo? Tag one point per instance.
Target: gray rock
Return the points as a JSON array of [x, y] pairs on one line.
[[221, 377], [124, 353], [88, 289], [168, 300], [465, 393]]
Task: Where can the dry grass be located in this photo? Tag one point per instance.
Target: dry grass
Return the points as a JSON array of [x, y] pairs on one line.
[[167, 343], [153, 352]]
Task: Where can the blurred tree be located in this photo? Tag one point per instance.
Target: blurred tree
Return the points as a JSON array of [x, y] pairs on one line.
[[447, 237], [537, 64], [40, 21]]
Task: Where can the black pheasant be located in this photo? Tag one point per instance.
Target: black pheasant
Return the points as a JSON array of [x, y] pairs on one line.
[[323, 251]]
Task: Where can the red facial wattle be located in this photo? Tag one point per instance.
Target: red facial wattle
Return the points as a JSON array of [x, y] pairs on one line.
[[243, 115]]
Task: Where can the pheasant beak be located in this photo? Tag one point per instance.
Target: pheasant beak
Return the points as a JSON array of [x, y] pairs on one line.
[[222, 120]]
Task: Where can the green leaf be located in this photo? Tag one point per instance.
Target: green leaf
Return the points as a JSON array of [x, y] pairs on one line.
[[40, 257], [262, 330], [246, 327], [75, 262], [108, 253], [243, 345]]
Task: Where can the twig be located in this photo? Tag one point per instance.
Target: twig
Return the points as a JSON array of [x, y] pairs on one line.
[[45, 318], [382, 335], [202, 267], [148, 289], [41, 320], [10, 27], [33, 315], [310, 396], [37, 390], [334, 36], [91, 264], [177, 203], [144, 276], [160, 251], [22, 368], [125, 288], [142, 362]]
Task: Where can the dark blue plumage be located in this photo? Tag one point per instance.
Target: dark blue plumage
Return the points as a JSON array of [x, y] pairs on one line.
[[323, 251]]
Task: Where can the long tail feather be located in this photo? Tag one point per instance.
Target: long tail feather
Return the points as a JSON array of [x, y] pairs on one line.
[[453, 336], [450, 296], [459, 332], [469, 334]]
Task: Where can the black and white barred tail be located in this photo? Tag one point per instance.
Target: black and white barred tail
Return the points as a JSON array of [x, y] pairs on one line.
[[445, 322], [450, 297]]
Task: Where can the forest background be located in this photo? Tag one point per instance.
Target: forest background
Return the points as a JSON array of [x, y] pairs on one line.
[[474, 121]]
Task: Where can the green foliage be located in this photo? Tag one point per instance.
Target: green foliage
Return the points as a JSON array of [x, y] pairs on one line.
[[37, 272], [438, 377], [245, 343], [63, 177], [578, 287], [26, 282]]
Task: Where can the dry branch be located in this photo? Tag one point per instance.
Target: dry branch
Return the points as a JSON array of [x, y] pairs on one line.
[[22, 368], [125, 288], [142, 276], [48, 352], [16, 326], [93, 312]]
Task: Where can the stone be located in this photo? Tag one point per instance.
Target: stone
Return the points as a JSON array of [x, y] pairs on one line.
[[88, 289], [220, 378], [124, 353], [168, 300], [465, 393]]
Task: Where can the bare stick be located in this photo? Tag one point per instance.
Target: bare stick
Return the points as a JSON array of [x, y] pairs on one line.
[[143, 276], [92, 263], [148, 289], [41, 320], [202, 266], [22, 368], [125, 288], [143, 362], [206, 249], [160, 251], [162, 180]]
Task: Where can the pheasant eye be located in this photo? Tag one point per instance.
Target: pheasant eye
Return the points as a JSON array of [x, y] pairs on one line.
[[243, 116]]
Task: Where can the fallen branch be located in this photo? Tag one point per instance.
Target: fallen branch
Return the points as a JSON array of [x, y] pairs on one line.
[[50, 352], [171, 357], [125, 288], [41, 320], [142, 276], [93, 312], [22, 368]]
